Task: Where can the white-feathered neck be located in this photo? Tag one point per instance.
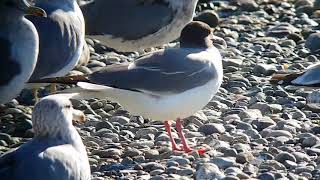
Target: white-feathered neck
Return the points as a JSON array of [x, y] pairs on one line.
[[65, 135], [65, 131]]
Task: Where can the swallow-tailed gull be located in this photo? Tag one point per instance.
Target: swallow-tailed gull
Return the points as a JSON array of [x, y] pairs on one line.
[[131, 25], [171, 84], [56, 152], [18, 47], [61, 37], [310, 77]]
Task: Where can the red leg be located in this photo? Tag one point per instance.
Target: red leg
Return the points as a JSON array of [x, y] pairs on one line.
[[186, 147], [179, 127], [167, 125]]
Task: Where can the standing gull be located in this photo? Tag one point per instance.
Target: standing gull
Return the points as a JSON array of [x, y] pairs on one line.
[[131, 25], [166, 85], [56, 152], [61, 37], [19, 47]]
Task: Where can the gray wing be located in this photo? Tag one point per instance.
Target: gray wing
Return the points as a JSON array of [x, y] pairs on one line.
[[7, 163], [169, 71], [59, 39], [9, 67], [38, 161], [127, 19], [310, 77]]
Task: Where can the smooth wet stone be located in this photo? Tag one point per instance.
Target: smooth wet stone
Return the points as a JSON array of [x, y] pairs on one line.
[[267, 108], [283, 156], [131, 152], [277, 133], [272, 164], [313, 42], [211, 128], [151, 154], [172, 170], [301, 157], [157, 177], [230, 152], [104, 124], [266, 176], [223, 162], [208, 16], [250, 113], [244, 157], [263, 123], [119, 119], [209, 171], [107, 153], [143, 131], [7, 138], [180, 160], [264, 69], [185, 172], [156, 172], [246, 5], [150, 166], [310, 141]]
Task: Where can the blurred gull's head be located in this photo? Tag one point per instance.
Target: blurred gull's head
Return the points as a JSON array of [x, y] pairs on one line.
[[53, 115]]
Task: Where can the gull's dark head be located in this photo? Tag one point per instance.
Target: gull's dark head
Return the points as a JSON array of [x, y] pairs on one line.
[[53, 115], [196, 34]]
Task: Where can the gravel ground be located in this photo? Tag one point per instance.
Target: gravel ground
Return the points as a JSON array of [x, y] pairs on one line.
[[251, 128]]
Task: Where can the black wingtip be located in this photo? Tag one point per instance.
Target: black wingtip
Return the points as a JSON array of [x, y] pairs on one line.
[[62, 80], [284, 79]]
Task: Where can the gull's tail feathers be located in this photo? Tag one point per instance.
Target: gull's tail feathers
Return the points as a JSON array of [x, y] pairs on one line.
[[85, 90]]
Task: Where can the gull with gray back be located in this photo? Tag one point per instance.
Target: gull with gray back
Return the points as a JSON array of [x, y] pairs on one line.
[[131, 25], [171, 84], [61, 37], [19, 47]]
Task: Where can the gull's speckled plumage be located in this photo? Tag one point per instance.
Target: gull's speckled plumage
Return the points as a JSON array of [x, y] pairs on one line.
[[55, 153]]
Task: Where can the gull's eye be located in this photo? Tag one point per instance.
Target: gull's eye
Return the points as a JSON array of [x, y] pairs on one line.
[[67, 106]]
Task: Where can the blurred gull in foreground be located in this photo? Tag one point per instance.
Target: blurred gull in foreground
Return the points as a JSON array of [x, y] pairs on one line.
[[56, 152], [18, 47], [131, 25], [61, 37], [166, 85]]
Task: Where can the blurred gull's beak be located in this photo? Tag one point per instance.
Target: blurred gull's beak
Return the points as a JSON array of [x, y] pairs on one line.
[[35, 11], [78, 116], [31, 10]]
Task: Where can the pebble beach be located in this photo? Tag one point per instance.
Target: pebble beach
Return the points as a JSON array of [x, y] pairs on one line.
[[251, 129]]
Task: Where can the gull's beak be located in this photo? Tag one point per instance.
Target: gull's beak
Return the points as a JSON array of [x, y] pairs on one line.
[[35, 11], [78, 116], [31, 10]]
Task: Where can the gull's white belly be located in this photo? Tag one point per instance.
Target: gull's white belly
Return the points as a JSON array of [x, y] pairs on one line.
[[168, 107]]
